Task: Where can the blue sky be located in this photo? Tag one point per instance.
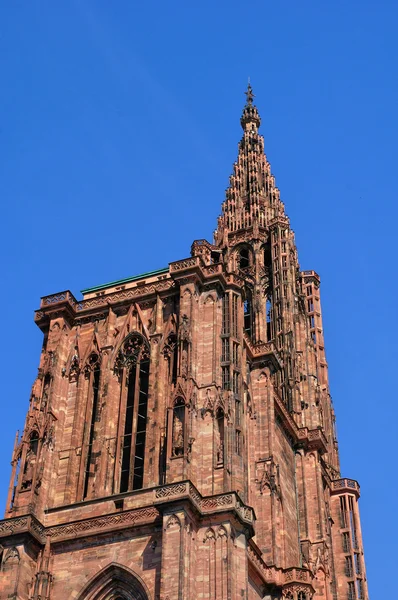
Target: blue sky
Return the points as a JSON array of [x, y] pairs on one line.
[[119, 124]]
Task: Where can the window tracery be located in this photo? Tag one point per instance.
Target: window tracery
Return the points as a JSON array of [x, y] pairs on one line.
[[92, 372], [132, 365]]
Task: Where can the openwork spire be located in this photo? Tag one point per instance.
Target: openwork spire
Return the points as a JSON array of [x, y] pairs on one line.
[[252, 196]]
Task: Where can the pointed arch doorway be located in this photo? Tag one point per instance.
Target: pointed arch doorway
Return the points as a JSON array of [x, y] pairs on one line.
[[115, 583]]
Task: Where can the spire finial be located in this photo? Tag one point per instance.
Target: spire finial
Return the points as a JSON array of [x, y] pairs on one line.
[[249, 93], [250, 113]]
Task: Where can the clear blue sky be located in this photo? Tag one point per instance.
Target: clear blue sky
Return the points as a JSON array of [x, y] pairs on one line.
[[119, 124]]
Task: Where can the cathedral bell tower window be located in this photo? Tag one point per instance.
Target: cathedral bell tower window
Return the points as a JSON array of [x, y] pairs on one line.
[[244, 258], [247, 314], [93, 374], [132, 363]]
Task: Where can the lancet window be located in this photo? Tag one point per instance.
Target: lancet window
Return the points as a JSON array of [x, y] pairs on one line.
[[268, 313], [93, 372], [219, 437], [244, 258], [248, 314], [132, 364]]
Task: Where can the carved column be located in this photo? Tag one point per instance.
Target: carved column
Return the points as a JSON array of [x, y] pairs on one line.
[[173, 554]]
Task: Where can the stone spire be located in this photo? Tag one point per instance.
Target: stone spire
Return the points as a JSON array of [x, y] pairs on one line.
[[252, 196]]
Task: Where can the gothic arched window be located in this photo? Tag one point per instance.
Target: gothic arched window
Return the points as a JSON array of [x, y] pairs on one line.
[[244, 258], [132, 364], [178, 428], [219, 437], [34, 442], [302, 596], [115, 583], [93, 373], [268, 313], [248, 314]]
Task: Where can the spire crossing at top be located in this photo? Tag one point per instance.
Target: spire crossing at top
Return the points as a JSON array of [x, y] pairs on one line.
[[249, 94], [250, 117]]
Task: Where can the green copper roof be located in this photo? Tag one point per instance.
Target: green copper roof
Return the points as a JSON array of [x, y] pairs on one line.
[[121, 281]]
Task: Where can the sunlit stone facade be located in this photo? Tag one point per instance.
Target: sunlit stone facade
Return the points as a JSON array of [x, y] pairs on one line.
[[180, 440]]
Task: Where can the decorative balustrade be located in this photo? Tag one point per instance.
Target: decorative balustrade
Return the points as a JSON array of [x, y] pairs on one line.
[[272, 575], [58, 298], [214, 269], [148, 512], [21, 524], [62, 298], [186, 263], [263, 349], [346, 485], [209, 504], [296, 574], [66, 298]]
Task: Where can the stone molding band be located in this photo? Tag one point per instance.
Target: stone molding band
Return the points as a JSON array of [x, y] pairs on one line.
[[181, 491]]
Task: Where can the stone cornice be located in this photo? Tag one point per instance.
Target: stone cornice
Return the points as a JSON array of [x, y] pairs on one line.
[[263, 351], [153, 501], [292, 578], [309, 439], [64, 304]]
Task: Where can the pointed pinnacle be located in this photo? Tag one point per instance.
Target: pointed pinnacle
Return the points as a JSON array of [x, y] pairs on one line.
[[250, 113], [249, 94]]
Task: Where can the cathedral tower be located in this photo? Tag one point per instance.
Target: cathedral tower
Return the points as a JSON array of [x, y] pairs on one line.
[[180, 441]]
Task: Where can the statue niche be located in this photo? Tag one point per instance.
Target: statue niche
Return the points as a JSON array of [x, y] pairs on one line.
[[30, 461], [178, 428]]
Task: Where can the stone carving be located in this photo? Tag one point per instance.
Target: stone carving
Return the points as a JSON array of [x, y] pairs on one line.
[[184, 264], [10, 526], [184, 333], [173, 520], [27, 476], [194, 495], [12, 554], [209, 535], [208, 404], [74, 368], [267, 476], [216, 502], [172, 490], [169, 345], [178, 427], [102, 523], [133, 349]]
